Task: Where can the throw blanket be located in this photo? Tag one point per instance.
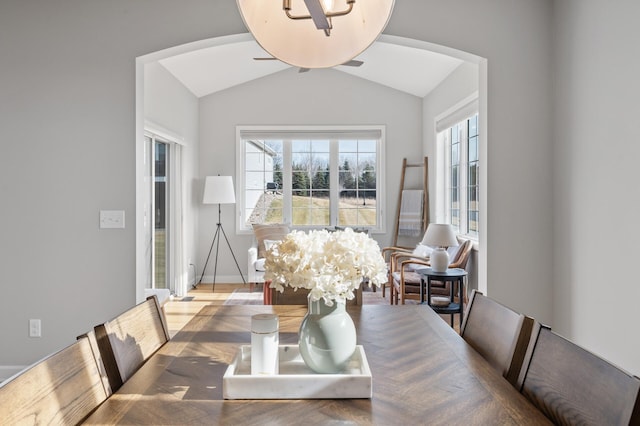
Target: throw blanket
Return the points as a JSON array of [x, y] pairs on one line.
[[410, 223]]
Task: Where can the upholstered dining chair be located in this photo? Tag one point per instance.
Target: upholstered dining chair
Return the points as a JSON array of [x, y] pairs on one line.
[[128, 340], [498, 333], [63, 388], [571, 385]]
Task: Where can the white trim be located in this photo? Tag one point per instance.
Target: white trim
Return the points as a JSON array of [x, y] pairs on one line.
[[162, 132], [457, 113], [377, 131], [483, 115]]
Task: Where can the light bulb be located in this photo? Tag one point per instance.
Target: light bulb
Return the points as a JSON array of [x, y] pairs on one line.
[[327, 5]]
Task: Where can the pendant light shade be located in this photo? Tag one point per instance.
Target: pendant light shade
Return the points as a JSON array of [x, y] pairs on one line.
[[303, 33]]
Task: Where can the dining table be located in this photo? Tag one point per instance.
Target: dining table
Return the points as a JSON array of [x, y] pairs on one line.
[[422, 372]]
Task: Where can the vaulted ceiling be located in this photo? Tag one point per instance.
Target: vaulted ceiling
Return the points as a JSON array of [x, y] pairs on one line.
[[410, 69]]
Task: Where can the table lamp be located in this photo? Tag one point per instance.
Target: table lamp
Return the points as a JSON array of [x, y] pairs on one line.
[[440, 236]]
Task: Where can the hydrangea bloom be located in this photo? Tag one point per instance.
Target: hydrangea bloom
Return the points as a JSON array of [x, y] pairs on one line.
[[332, 265]]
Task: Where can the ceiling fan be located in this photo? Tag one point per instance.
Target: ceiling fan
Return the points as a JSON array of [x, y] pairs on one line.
[[351, 63]]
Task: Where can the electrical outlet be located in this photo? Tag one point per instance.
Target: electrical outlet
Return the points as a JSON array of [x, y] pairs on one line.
[[35, 328]]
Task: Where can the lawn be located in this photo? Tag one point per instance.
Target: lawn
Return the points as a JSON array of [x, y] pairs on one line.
[[315, 211]]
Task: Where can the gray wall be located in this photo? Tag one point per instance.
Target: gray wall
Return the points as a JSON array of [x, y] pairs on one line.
[[67, 120], [318, 97], [595, 158], [67, 111]]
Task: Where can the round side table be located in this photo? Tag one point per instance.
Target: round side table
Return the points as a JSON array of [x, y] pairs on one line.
[[452, 275]]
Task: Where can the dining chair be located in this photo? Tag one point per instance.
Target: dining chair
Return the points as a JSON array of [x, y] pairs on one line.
[[498, 333], [63, 388], [128, 340], [571, 385]]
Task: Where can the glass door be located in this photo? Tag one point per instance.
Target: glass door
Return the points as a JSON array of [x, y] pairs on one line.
[[160, 214]]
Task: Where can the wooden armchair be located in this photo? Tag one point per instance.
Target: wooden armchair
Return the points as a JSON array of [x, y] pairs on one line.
[[405, 281], [127, 341], [570, 385], [498, 333], [387, 254], [63, 388]]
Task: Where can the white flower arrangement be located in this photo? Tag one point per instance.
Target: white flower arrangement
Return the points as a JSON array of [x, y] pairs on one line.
[[332, 265]]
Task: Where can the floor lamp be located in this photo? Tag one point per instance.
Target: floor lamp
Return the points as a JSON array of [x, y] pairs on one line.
[[219, 190]]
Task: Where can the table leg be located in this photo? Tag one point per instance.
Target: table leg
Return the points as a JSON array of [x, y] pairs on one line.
[[461, 300]]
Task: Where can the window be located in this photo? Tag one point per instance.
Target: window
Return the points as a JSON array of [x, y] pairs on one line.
[[311, 178], [461, 166]]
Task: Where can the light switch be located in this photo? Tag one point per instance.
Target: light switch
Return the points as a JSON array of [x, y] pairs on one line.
[[111, 219]]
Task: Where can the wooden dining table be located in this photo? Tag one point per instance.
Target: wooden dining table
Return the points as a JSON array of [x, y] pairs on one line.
[[422, 371]]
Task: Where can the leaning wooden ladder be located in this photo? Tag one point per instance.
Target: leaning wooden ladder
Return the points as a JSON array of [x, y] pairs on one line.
[[425, 192]]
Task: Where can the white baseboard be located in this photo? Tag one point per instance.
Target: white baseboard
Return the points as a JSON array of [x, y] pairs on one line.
[[8, 371], [223, 279]]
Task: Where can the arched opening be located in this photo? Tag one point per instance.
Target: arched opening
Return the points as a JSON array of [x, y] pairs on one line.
[[237, 51]]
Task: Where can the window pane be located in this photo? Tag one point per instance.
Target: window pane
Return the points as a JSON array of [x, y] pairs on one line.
[[367, 179], [321, 179], [455, 218], [473, 174], [348, 145], [454, 198], [320, 146], [301, 161], [473, 126], [268, 207], [454, 177], [300, 181], [254, 161], [300, 146], [367, 146], [347, 161], [473, 148], [320, 166], [455, 154], [455, 134], [473, 198], [473, 221]]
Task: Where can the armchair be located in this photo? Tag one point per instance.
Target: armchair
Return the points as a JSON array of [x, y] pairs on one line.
[[405, 282], [265, 234], [255, 267]]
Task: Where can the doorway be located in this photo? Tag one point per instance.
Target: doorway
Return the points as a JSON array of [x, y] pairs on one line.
[[159, 210]]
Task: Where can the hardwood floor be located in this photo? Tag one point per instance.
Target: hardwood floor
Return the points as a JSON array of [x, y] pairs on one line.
[[180, 310]]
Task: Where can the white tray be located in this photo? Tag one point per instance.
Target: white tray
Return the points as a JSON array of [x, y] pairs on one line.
[[296, 380]]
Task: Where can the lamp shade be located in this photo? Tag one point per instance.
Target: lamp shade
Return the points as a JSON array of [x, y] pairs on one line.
[[300, 43], [218, 190], [440, 235]]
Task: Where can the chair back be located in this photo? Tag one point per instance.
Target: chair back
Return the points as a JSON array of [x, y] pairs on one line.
[[127, 341], [63, 388], [462, 256], [498, 333], [570, 385]]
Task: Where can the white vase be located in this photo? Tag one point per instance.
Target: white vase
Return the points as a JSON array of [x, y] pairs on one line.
[[327, 337], [439, 260]]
